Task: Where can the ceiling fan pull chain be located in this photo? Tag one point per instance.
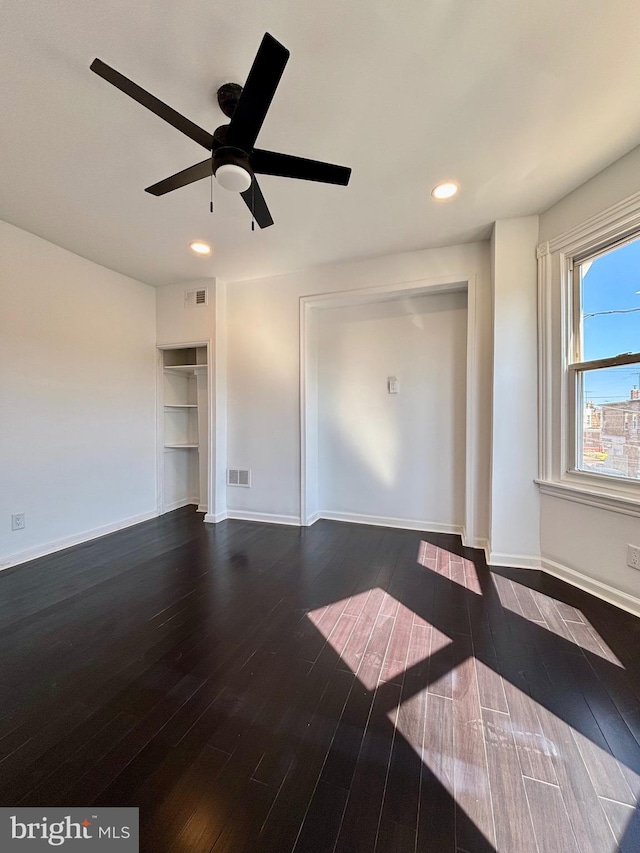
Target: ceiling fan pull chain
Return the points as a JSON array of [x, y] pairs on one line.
[[211, 202], [253, 205]]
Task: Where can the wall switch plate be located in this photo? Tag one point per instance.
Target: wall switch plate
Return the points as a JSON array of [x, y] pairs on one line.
[[633, 556], [393, 384], [17, 521]]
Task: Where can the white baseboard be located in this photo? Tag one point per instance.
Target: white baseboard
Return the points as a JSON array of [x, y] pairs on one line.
[[511, 561], [311, 519], [388, 521], [601, 590], [179, 504], [479, 543], [247, 515], [202, 508], [215, 518], [77, 539]]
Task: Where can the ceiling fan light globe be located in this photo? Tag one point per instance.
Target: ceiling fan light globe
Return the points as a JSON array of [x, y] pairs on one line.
[[233, 178]]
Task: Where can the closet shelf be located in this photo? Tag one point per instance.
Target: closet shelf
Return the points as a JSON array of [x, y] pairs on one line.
[[180, 446], [183, 426], [184, 368]]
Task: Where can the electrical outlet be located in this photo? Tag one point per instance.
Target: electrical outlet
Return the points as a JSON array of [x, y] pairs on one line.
[[633, 556], [17, 521]]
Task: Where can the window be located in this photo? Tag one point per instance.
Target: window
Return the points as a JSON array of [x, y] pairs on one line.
[[604, 363]]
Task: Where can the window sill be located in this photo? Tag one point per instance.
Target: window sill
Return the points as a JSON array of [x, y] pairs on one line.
[[623, 504]]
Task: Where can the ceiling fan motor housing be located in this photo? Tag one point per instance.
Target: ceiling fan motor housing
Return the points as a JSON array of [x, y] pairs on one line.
[[228, 97]]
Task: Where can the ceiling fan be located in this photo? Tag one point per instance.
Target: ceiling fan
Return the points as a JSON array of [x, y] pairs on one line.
[[234, 161]]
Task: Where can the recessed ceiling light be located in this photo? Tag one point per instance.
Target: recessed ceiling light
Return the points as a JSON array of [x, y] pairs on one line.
[[199, 247], [445, 190]]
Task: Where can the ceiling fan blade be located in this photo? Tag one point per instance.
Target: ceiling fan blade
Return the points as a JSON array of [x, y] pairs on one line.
[[152, 103], [181, 179], [254, 200], [286, 166], [257, 93]]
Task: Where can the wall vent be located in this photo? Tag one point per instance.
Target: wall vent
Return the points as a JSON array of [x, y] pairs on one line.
[[196, 297], [238, 477]]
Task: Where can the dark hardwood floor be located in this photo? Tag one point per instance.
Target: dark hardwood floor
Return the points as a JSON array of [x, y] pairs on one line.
[[339, 688]]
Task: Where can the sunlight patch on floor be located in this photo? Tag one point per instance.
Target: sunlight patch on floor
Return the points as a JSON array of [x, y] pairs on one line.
[[349, 626], [553, 615], [585, 635], [451, 566], [442, 715], [549, 613]]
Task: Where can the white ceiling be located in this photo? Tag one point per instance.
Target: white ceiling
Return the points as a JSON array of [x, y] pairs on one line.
[[519, 101]]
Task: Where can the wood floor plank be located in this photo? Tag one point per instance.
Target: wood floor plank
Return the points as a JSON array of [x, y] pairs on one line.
[[281, 826], [625, 825], [567, 612], [255, 688], [514, 827], [337, 639], [586, 638], [507, 594], [235, 786], [527, 603], [236, 789], [490, 682], [322, 822], [622, 693], [442, 646], [604, 771], [402, 788], [471, 775], [395, 661], [91, 784], [614, 766], [359, 829], [343, 754], [583, 806], [535, 749], [189, 796], [395, 838], [437, 818], [46, 788], [555, 622], [353, 653], [550, 819]]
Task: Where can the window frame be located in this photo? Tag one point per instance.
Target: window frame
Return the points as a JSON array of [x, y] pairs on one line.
[[559, 364], [576, 366]]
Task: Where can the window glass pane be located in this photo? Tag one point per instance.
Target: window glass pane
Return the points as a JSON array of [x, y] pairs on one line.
[[611, 303], [610, 414]]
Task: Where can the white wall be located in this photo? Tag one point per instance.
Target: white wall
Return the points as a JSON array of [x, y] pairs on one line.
[[613, 184], [77, 396], [592, 542], [264, 368], [386, 455], [584, 539], [515, 506], [177, 323]]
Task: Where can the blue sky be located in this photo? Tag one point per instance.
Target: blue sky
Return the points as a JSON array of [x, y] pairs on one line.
[[612, 282]]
